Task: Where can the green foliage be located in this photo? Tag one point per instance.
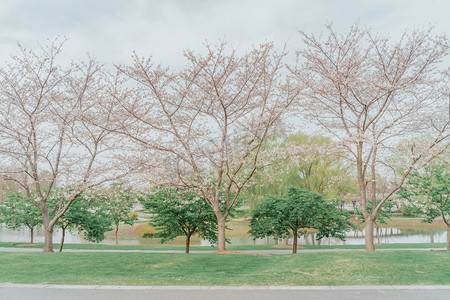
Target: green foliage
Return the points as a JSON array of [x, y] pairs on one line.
[[429, 192], [89, 217], [410, 210], [133, 215], [180, 213], [316, 167], [295, 210], [17, 211], [119, 201]]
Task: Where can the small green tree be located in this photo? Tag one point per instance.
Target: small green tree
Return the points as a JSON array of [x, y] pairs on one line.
[[119, 200], [429, 191], [89, 217], [17, 211], [294, 211], [180, 213]]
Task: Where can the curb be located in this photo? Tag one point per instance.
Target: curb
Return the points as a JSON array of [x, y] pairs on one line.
[[208, 288]]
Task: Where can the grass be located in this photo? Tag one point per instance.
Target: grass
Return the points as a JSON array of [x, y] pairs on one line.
[[333, 268], [210, 248]]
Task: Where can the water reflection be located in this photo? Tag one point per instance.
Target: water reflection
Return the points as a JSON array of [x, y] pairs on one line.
[[385, 236], [23, 235]]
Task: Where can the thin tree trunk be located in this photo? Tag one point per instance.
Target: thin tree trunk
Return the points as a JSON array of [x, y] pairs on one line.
[[432, 236], [378, 234], [368, 235], [116, 234], [221, 247], [48, 236], [31, 235], [294, 244], [188, 241], [448, 237], [61, 244]]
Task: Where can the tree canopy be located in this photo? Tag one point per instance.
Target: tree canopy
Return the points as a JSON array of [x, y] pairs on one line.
[[294, 211], [312, 162], [17, 211], [87, 215], [429, 191], [180, 213]]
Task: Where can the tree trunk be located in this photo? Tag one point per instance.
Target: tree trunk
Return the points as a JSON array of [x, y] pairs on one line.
[[378, 234], [432, 236], [448, 237], [368, 233], [116, 233], [188, 241], [48, 229], [31, 235], [294, 244], [48, 236], [61, 244], [221, 247]]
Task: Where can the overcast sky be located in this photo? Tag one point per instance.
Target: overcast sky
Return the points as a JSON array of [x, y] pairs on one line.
[[112, 29]]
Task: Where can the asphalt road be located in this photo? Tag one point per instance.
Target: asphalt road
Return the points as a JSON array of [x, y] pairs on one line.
[[19, 292]]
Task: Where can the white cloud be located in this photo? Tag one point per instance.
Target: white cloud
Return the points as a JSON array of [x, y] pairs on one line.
[[112, 29]]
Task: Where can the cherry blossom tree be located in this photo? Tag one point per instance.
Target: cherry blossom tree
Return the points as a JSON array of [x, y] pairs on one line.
[[205, 124], [45, 128], [369, 92]]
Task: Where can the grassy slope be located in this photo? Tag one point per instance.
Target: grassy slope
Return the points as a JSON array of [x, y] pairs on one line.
[[344, 268]]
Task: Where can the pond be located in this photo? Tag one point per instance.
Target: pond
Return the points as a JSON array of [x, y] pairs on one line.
[[386, 236]]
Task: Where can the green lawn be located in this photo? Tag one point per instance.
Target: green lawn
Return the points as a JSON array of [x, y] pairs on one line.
[[229, 247], [334, 268]]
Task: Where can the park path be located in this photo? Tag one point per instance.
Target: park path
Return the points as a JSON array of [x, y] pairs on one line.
[[70, 292], [274, 251]]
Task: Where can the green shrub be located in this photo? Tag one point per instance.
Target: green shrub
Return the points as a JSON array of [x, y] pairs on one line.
[[409, 211]]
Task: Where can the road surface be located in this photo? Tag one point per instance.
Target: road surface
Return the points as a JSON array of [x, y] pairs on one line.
[[46, 292]]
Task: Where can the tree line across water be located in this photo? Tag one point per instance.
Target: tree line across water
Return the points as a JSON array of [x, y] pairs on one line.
[[213, 128]]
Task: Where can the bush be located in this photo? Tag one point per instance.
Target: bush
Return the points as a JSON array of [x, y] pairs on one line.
[[133, 215], [148, 235], [409, 211], [145, 230]]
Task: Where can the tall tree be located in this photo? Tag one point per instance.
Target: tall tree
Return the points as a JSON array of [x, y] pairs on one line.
[[46, 128], [17, 211], [368, 92], [180, 213], [206, 123]]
